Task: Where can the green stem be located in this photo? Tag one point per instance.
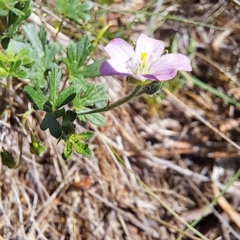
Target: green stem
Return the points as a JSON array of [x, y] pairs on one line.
[[115, 104], [210, 89]]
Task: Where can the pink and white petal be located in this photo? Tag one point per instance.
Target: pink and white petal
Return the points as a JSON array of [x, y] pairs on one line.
[[153, 47], [164, 76], [119, 50], [112, 67], [172, 61]]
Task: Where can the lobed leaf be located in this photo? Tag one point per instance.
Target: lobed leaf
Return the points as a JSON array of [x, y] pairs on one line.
[[7, 159], [36, 97], [91, 70], [54, 83], [96, 118], [67, 150], [66, 96], [82, 136], [82, 148], [51, 122]]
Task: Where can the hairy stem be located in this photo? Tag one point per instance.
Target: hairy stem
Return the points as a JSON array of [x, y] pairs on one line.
[[115, 104]]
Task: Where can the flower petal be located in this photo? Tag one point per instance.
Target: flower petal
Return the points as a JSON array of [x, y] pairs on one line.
[[119, 50], [164, 76], [154, 48], [112, 67], [172, 61]]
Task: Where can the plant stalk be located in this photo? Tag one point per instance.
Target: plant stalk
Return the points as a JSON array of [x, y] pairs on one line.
[[121, 101]]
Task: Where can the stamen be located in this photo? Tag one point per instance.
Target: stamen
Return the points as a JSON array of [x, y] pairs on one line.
[[144, 59]]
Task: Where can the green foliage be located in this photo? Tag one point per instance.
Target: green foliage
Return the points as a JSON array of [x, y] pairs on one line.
[[42, 51], [34, 57], [77, 54], [51, 102], [75, 142], [92, 96], [75, 10], [12, 14], [7, 159], [55, 99], [15, 64], [68, 127], [50, 122], [82, 95], [39, 100]]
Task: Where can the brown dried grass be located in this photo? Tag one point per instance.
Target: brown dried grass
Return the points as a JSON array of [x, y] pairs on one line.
[[173, 152]]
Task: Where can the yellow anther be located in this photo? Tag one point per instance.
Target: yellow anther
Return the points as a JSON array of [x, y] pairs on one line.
[[144, 59]]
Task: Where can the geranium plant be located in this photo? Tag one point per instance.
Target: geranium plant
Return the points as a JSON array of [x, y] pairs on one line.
[[37, 59]]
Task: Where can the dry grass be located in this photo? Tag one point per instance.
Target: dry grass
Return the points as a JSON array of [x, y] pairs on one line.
[[177, 147]]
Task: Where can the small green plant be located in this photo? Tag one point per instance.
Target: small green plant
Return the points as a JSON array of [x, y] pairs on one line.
[[74, 100], [71, 99], [12, 15], [75, 10]]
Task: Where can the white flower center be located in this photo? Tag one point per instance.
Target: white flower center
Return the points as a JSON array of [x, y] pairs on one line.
[[140, 66], [143, 68]]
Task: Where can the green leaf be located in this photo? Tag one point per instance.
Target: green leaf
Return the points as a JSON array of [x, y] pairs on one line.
[[68, 127], [3, 12], [7, 159], [77, 54], [24, 53], [83, 10], [54, 83], [66, 96], [43, 36], [83, 149], [20, 74], [36, 96], [14, 62], [50, 51], [74, 10], [32, 34], [67, 150], [12, 13], [86, 6], [75, 141], [82, 119], [94, 94], [43, 53], [82, 136], [69, 116], [51, 122], [79, 146], [3, 57], [91, 70], [3, 72], [59, 113], [96, 118]]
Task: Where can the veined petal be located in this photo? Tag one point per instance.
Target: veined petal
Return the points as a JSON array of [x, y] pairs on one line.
[[152, 47], [168, 62], [119, 50], [164, 76], [112, 67]]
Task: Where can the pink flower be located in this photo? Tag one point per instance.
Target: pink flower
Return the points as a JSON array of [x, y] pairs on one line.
[[146, 62]]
